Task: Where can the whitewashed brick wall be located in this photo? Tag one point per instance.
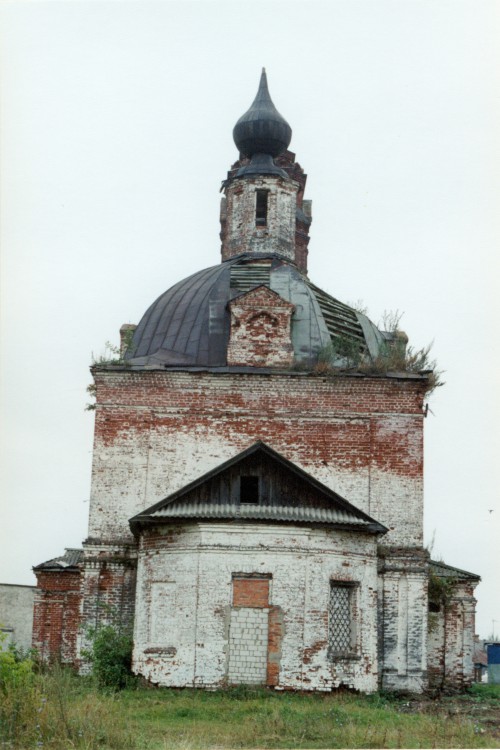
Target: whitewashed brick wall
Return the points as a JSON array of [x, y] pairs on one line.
[[195, 563], [242, 234], [155, 432]]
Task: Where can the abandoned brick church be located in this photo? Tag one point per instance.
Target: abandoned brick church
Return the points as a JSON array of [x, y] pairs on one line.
[[256, 511]]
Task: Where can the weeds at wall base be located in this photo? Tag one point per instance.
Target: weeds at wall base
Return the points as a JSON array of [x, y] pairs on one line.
[[66, 712]]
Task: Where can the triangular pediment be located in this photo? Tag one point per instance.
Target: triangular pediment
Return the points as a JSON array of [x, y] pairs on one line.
[[258, 484], [261, 296]]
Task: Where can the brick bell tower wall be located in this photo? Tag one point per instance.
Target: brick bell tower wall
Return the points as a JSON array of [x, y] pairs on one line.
[[289, 216], [277, 232]]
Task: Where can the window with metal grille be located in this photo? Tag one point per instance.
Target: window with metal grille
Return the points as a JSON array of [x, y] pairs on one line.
[[340, 621], [261, 208]]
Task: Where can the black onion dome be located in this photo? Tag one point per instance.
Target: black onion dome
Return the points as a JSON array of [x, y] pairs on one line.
[[189, 325], [262, 130]]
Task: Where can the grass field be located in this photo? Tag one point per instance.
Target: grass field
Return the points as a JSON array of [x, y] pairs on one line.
[[63, 712]]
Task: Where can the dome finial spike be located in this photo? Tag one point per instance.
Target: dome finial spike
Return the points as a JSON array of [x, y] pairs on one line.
[[263, 94]]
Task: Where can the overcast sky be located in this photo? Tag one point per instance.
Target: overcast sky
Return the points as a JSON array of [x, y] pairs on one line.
[[116, 133]]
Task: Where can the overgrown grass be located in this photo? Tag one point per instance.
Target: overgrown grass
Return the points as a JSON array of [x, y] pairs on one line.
[[289, 720], [62, 712], [485, 692]]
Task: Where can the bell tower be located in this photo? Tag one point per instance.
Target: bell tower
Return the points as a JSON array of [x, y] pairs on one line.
[[262, 210]]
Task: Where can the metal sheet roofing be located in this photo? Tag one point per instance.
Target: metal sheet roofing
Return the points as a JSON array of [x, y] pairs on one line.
[[262, 130], [442, 570], [260, 512], [189, 325], [71, 559]]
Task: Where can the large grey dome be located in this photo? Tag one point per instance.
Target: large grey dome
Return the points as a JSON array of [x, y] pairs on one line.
[[189, 325]]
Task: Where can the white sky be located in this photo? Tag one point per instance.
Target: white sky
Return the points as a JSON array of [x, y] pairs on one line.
[[116, 133]]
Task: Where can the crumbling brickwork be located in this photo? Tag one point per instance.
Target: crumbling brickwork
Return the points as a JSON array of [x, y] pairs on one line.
[[243, 234], [156, 431], [108, 588], [451, 640], [191, 644], [286, 232], [260, 330], [361, 436], [56, 619], [403, 619]]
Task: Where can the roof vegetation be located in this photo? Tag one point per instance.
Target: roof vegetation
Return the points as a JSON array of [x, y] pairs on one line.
[[344, 354]]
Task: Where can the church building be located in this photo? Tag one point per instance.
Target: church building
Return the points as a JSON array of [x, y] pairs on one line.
[[256, 510]]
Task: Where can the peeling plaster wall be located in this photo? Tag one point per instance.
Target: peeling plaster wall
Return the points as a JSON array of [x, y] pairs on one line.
[[156, 431], [108, 583], [238, 214], [302, 208], [451, 640], [183, 606], [403, 624]]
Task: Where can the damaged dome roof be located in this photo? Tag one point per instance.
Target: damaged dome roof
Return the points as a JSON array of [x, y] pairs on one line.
[[189, 325]]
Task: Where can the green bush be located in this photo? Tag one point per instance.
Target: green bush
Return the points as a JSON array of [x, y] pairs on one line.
[[19, 699], [111, 657], [16, 669]]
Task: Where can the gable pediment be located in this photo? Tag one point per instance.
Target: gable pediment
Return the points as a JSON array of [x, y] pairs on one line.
[[261, 485], [261, 297]]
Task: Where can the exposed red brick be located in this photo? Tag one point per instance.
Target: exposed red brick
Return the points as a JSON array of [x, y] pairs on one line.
[[260, 330], [56, 616], [250, 592], [274, 646]]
